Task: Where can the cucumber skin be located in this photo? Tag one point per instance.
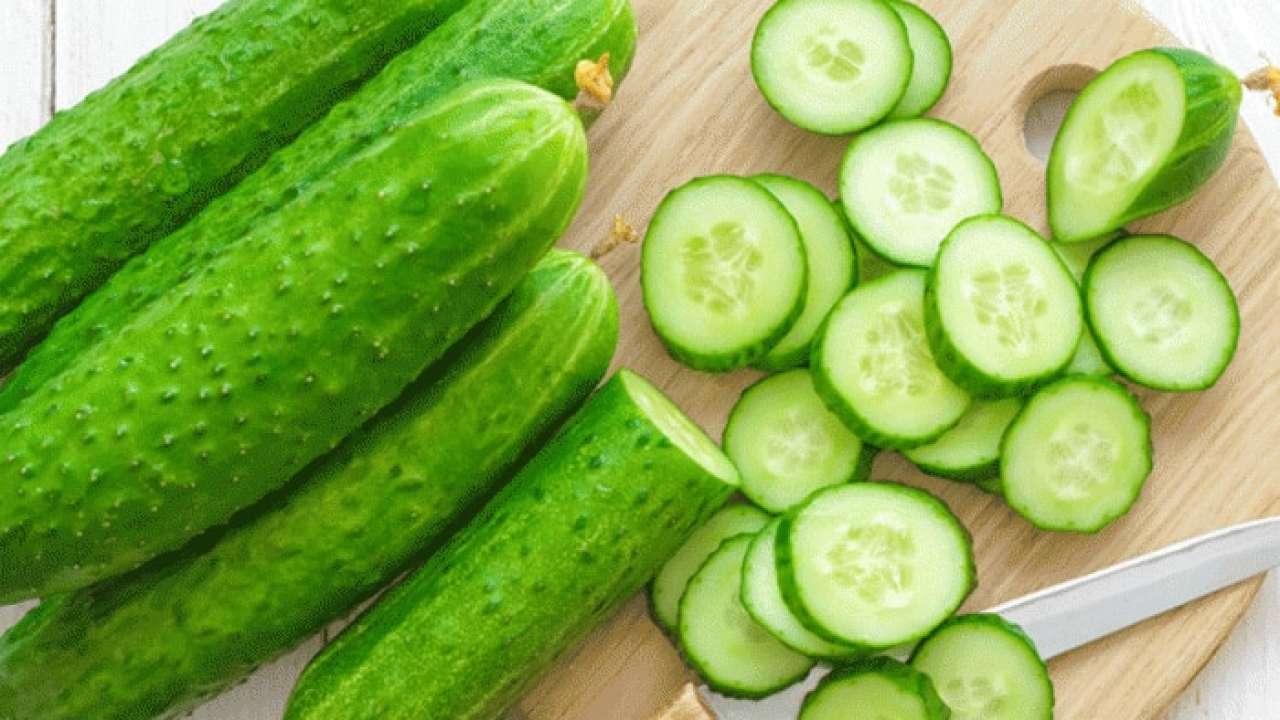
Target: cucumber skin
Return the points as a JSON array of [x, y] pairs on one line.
[[346, 526], [580, 529], [138, 158], [903, 675], [487, 38], [180, 413]]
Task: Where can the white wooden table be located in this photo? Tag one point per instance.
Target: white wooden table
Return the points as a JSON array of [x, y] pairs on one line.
[[54, 52]]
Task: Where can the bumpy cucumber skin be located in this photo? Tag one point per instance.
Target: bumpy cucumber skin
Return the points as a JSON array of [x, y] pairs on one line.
[[902, 675], [156, 642], [337, 303], [583, 526], [538, 41], [134, 160]]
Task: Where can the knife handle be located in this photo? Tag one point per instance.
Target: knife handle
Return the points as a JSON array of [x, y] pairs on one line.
[[687, 705]]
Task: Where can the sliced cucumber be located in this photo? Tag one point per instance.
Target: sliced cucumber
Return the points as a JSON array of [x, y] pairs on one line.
[[870, 265], [1002, 312], [931, 69], [723, 272], [762, 597], [831, 66], [787, 444], [875, 689], [1163, 315], [732, 653], [1088, 359], [1141, 137], [906, 183], [830, 260], [670, 582], [970, 451], [873, 565], [873, 368], [986, 669], [1076, 456]]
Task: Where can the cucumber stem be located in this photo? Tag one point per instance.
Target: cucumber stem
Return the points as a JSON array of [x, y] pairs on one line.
[[594, 79], [1265, 79], [620, 233]]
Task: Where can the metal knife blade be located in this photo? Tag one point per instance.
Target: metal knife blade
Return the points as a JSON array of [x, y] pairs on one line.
[[1077, 612]]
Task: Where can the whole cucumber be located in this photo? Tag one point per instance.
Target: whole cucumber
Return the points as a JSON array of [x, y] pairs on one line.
[[582, 527], [136, 159], [228, 384], [538, 41], [155, 642]]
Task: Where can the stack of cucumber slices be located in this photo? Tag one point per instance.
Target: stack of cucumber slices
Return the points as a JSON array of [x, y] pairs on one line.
[[912, 315]]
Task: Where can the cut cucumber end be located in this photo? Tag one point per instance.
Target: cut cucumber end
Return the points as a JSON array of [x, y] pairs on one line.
[[678, 428], [931, 69], [874, 689]]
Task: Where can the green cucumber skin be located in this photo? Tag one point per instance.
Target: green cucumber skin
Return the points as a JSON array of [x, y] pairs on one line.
[[975, 474], [900, 674], [348, 525], [582, 527], [487, 38], [337, 303], [138, 158]]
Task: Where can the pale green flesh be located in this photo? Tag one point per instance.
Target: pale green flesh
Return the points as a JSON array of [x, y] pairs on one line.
[[787, 444], [973, 442], [679, 429], [1088, 359], [831, 66], [864, 697], [984, 673], [671, 580], [932, 66]]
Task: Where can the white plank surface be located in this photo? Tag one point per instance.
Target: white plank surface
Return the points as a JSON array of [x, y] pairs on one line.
[[42, 66]]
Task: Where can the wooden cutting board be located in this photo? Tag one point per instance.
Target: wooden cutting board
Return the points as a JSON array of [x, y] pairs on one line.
[[690, 108]]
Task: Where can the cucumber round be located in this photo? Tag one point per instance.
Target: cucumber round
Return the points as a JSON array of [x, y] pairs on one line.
[[723, 272], [1002, 312], [986, 668], [907, 183], [931, 69], [829, 257], [872, 366], [732, 653], [875, 689], [1163, 314], [874, 565], [832, 66], [1141, 137], [970, 451], [1088, 359], [1077, 455], [870, 265], [787, 444]]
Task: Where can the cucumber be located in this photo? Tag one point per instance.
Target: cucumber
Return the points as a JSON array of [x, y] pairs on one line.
[[872, 366], [1077, 455], [931, 69], [723, 272], [671, 580], [875, 689], [873, 565], [762, 597], [870, 265], [538, 41], [970, 451], [1002, 312], [335, 303], [728, 649], [829, 259], [831, 66], [986, 668], [138, 158], [787, 444], [907, 183], [155, 642], [1164, 316], [581, 528], [1088, 359], [1141, 137]]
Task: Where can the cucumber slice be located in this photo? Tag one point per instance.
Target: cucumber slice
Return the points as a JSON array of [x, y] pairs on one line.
[[1164, 316], [831, 66], [732, 653], [830, 261], [762, 597], [875, 689], [723, 272], [1002, 312], [990, 485], [986, 668], [906, 183], [787, 444], [670, 582], [874, 565], [1141, 137], [931, 70], [873, 368], [970, 451], [1077, 455], [870, 265], [1088, 359]]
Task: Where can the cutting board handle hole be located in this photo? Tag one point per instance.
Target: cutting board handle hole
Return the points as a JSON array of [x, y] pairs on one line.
[[1044, 103]]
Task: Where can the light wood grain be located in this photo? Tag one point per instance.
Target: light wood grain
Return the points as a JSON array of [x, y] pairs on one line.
[[25, 67]]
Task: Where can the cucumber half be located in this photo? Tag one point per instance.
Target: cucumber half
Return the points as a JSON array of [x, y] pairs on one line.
[[970, 451], [1141, 137], [931, 70], [875, 689]]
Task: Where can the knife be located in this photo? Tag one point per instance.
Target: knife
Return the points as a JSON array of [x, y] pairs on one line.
[[1065, 616]]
